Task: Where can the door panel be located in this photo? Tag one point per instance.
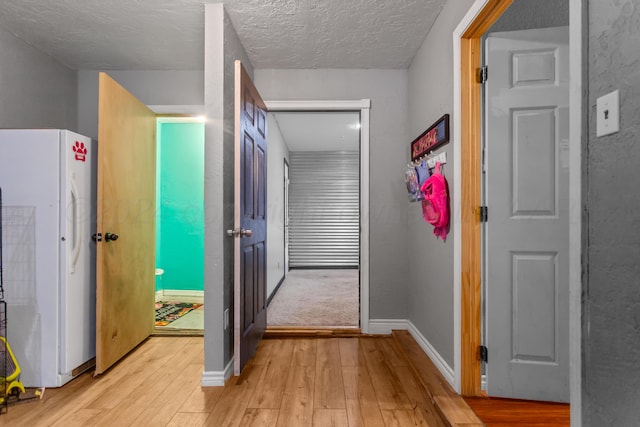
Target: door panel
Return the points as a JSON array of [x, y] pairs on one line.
[[246, 291], [534, 183], [261, 190], [247, 176], [527, 189], [126, 206], [535, 289], [250, 214]]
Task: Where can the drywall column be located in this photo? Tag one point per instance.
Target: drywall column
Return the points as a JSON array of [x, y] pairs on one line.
[[611, 344], [222, 48], [214, 268]]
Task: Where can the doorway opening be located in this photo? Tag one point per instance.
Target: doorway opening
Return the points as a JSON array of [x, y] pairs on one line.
[[179, 225], [323, 283], [320, 283], [526, 238], [467, 124]]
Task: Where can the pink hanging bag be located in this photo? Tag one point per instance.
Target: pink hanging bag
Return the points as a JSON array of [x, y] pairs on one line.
[[435, 205]]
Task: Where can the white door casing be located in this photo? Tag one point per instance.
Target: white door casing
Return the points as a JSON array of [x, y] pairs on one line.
[[363, 106], [527, 194]]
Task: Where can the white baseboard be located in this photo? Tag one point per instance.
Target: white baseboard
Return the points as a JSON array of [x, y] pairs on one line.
[[217, 378], [385, 326], [162, 293], [444, 368]]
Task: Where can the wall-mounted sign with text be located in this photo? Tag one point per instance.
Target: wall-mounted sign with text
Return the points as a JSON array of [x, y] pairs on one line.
[[432, 138]]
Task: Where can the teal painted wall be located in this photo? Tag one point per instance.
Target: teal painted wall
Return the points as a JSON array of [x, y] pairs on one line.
[[180, 206]]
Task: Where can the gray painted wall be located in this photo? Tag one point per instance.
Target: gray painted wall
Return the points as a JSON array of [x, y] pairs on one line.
[[150, 87], [37, 91], [611, 329], [389, 140], [222, 47], [527, 14], [430, 269], [277, 153]]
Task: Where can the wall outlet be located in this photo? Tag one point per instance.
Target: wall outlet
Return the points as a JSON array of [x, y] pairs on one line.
[[226, 318], [608, 114]]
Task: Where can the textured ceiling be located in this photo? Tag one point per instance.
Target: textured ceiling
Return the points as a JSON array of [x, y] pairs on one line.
[[168, 34], [326, 131]]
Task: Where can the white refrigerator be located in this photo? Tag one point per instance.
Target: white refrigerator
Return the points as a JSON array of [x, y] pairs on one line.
[[48, 188]]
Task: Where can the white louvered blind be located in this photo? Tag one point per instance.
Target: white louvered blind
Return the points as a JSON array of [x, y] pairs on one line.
[[324, 211]]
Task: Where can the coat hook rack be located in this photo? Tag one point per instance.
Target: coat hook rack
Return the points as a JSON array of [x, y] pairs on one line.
[[431, 160]]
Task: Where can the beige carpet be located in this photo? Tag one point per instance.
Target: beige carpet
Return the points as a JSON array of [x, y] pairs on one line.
[[316, 298]]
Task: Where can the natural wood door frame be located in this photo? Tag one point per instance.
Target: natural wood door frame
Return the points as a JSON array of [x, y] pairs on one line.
[[470, 163]]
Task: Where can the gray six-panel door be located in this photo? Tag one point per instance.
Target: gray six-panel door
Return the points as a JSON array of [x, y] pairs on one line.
[[527, 194]]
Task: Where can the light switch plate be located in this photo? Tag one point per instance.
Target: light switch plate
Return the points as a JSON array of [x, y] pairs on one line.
[[608, 114]]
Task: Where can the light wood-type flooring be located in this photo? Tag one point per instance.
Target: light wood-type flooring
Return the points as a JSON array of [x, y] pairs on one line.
[[339, 381], [290, 382]]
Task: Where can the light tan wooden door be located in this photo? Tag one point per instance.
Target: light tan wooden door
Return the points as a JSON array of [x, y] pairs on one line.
[[250, 272], [125, 264]]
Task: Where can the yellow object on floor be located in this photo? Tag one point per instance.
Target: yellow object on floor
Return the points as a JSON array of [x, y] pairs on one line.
[[11, 376]]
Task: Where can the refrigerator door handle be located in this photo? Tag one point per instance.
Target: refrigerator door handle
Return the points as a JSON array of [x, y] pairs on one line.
[[76, 241]]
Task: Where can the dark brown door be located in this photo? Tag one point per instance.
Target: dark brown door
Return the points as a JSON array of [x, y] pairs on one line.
[[125, 265], [250, 231]]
